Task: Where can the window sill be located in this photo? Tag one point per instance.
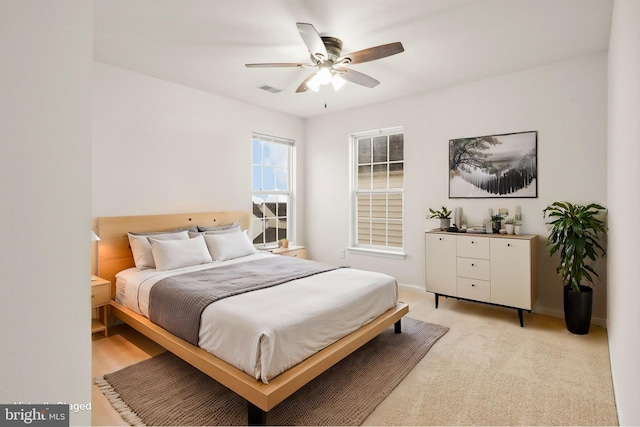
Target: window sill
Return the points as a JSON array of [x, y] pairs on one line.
[[377, 252]]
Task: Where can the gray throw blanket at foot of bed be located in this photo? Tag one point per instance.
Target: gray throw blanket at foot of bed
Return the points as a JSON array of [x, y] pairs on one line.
[[176, 303]]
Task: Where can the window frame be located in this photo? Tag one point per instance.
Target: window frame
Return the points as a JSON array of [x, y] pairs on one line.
[[290, 211], [374, 250]]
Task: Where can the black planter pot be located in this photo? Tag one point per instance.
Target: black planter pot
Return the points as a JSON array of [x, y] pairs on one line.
[[577, 309]]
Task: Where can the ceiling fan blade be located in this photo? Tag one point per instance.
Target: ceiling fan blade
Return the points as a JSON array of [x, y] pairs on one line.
[[312, 39], [374, 53], [357, 77], [303, 86], [277, 64]]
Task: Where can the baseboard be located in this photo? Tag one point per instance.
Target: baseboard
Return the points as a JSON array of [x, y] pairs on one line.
[[411, 287], [536, 309], [559, 313]]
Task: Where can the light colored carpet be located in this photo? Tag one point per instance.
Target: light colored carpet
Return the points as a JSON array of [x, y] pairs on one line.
[[487, 370], [166, 391]]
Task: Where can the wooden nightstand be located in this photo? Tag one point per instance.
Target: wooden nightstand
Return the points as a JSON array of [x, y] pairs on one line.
[[100, 293], [292, 251]]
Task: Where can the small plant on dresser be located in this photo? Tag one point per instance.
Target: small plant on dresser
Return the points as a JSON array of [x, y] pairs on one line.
[[444, 215]]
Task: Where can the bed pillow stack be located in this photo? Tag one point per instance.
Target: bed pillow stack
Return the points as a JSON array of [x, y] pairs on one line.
[[141, 247], [168, 250]]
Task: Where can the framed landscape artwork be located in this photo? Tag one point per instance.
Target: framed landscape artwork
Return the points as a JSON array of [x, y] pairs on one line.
[[494, 166]]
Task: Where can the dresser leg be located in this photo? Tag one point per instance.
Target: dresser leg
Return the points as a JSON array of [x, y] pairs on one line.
[[397, 327], [521, 318], [437, 300]]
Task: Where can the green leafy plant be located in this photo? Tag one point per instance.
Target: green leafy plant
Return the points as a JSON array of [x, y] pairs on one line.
[[574, 236], [496, 218], [510, 221], [443, 213]]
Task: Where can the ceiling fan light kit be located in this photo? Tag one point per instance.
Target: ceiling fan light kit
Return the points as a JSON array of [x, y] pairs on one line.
[[325, 55], [324, 77]]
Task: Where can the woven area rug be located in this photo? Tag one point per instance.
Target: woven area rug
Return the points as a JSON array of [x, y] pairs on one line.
[[164, 390]]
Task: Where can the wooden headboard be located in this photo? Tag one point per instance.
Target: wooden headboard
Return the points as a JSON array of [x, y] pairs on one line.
[[113, 251]]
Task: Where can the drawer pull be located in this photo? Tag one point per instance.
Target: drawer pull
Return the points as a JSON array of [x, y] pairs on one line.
[[472, 242], [508, 244], [472, 265], [473, 285], [440, 238]]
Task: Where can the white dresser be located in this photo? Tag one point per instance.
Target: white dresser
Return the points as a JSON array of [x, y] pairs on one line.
[[490, 268]]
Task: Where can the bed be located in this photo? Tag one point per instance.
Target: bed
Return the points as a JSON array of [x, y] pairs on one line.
[[263, 389]]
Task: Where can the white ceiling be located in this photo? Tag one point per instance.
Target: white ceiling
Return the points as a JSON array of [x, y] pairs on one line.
[[204, 44]]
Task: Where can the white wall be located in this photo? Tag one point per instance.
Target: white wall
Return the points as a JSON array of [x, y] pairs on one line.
[[159, 147], [45, 211], [624, 203], [565, 102]]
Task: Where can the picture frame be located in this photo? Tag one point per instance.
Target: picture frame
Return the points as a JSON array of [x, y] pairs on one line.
[[494, 166]]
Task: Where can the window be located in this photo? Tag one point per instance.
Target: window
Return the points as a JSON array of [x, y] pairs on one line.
[[271, 181], [378, 191]]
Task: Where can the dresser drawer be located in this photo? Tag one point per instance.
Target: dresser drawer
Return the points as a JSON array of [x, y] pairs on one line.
[[100, 294], [477, 290], [473, 247], [474, 268]]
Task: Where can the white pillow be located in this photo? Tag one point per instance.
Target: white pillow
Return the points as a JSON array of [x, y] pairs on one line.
[[172, 254], [229, 245], [141, 247]]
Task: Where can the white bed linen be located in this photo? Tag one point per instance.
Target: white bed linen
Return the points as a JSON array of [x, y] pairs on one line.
[[268, 331]]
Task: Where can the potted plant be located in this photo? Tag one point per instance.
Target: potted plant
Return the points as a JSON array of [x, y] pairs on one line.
[[444, 215], [574, 236], [496, 220], [510, 224]]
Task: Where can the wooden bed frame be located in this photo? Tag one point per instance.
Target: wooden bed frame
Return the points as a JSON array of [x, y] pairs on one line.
[[114, 255]]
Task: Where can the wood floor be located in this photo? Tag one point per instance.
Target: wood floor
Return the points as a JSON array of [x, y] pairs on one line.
[[123, 347], [485, 371]]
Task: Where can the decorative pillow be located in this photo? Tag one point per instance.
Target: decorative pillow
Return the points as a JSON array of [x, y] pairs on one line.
[[172, 254], [141, 247], [233, 227], [229, 245]]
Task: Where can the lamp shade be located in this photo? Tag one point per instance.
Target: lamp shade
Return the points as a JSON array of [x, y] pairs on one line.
[[324, 76], [337, 82], [314, 84]]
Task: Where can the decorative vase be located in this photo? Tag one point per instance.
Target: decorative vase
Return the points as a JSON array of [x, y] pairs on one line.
[[496, 226], [445, 223], [510, 228], [517, 230], [577, 309]]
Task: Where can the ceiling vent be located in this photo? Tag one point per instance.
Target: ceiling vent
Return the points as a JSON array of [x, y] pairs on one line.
[[270, 89]]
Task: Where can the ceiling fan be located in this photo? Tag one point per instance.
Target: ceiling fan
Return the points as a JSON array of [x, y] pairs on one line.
[[326, 55]]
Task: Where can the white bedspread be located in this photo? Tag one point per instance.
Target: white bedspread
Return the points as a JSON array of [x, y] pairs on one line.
[[266, 332]]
